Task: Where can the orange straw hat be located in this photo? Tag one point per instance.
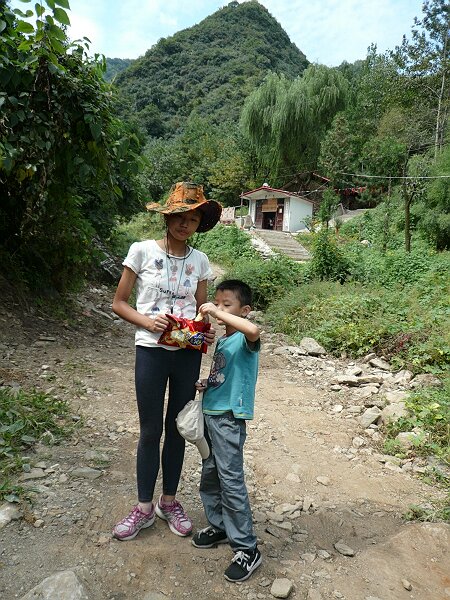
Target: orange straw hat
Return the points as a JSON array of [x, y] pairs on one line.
[[185, 196]]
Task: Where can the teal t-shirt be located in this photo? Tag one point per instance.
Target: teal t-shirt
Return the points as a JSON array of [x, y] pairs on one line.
[[232, 380]]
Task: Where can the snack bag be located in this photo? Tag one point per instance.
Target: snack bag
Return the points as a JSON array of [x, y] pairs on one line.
[[185, 333]]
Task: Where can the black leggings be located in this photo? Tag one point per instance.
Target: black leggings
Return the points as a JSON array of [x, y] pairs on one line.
[[154, 367]]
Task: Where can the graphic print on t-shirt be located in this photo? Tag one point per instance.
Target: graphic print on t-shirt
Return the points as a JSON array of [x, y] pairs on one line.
[[216, 378]]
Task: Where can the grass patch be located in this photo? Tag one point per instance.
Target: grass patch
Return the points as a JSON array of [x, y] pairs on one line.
[[27, 418]]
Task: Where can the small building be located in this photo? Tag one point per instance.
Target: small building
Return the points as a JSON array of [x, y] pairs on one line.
[[280, 210]]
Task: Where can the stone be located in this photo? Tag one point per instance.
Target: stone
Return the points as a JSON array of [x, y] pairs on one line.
[[358, 442], [33, 474], [396, 396], [343, 549], [8, 512], [350, 380], [393, 412], [308, 557], [407, 585], [311, 347], [370, 379], [379, 363], [408, 439], [85, 473], [354, 371], [369, 357], [281, 588], [293, 477], [323, 479], [369, 416], [307, 503], [402, 377], [337, 408], [63, 586], [323, 554], [425, 380]]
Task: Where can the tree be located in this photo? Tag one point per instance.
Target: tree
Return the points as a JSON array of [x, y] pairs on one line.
[[66, 161], [337, 153], [286, 119], [425, 60]]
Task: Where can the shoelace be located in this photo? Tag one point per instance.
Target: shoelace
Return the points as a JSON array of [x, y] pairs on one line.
[[177, 510], [240, 557], [208, 531], [134, 516]]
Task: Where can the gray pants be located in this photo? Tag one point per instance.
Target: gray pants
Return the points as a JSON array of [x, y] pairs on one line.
[[222, 486]]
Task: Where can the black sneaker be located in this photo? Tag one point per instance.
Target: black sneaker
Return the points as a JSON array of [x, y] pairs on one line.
[[209, 538], [243, 565]]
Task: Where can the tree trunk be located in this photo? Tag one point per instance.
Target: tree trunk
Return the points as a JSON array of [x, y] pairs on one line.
[[386, 217], [439, 124], [407, 205]]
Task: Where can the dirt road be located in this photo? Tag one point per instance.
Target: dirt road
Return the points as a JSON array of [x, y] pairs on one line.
[[311, 484]]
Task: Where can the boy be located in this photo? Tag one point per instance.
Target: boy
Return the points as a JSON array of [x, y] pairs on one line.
[[227, 402]]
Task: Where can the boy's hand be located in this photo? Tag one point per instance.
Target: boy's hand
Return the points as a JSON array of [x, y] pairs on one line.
[[210, 336], [201, 385], [208, 309]]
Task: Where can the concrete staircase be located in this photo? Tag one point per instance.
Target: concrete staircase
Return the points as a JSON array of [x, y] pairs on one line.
[[284, 243]]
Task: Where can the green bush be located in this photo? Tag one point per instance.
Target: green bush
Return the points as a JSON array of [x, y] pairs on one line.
[[328, 262], [142, 226], [269, 280], [410, 325], [225, 244]]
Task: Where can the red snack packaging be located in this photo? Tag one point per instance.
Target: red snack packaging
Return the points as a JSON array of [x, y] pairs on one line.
[[185, 333]]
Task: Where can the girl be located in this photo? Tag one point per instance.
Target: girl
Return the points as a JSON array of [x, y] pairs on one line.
[[170, 277]]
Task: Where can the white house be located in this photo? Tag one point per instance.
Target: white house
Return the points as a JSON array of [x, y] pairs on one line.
[[271, 208]]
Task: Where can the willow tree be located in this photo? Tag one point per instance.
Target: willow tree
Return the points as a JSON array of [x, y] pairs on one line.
[[286, 119]]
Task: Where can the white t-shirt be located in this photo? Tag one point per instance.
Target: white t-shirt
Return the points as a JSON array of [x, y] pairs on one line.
[[165, 284]]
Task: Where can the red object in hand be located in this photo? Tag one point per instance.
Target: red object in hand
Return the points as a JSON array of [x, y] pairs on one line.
[[185, 333]]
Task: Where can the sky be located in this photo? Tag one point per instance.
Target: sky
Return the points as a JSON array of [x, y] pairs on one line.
[[327, 31]]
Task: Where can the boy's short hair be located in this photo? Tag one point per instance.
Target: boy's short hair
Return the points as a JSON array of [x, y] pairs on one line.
[[241, 289]]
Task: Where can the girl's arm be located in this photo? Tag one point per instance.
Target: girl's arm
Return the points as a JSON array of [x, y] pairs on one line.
[[121, 307]]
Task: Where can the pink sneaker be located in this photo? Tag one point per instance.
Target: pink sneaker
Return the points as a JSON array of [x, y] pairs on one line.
[[174, 514], [129, 527]]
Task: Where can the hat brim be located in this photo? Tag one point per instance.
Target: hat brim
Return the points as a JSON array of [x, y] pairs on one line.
[[211, 212]]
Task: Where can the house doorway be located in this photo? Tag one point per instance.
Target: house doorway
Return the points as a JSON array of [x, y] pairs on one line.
[[268, 220]]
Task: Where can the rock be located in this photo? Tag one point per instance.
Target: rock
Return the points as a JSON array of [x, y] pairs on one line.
[[85, 473], [344, 549], [311, 347], [350, 380], [367, 391], [402, 377], [308, 557], [408, 439], [374, 379], [379, 363], [8, 512], [394, 412], [354, 371], [293, 477], [397, 396], [407, 585], [358, 442], [369, 416], [63, 586], [307, 503], [337, 408], [369, 357], [323, 554], [425, 380], [281, 588], [33, 474], [323, 479]]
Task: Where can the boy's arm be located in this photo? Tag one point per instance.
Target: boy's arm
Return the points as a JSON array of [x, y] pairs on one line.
[[249, 329]]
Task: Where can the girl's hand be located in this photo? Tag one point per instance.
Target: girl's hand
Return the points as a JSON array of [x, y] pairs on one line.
[[201, 385], [210, 336], [158, 324]]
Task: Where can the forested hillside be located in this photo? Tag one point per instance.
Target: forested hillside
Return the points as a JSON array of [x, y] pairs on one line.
[[115, 66], [209, 69]]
